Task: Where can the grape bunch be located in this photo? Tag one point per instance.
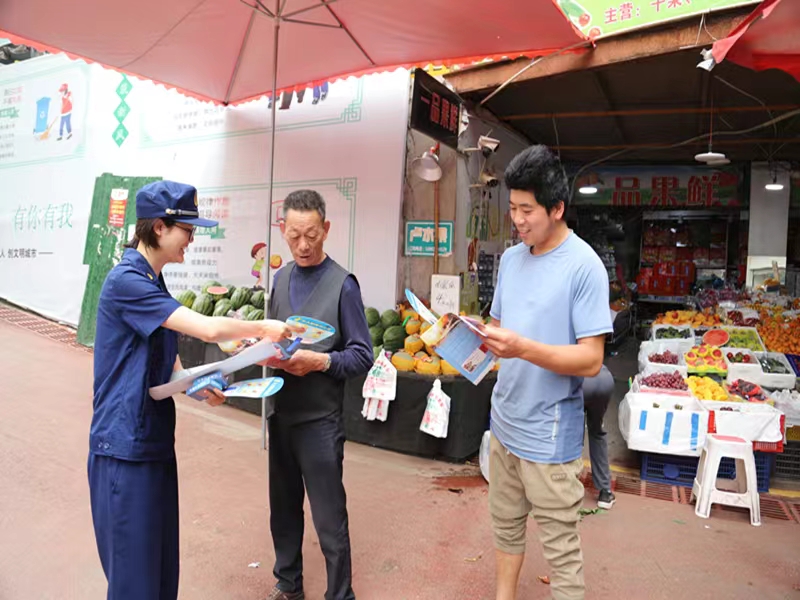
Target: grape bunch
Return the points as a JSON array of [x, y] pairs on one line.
[[665, 381], [664, 358]]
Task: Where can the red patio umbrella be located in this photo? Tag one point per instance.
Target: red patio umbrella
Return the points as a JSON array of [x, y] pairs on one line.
[[231, 51], [766, 39]]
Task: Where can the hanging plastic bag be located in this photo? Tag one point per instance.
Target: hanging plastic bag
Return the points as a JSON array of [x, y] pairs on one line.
[[380, 388], [437, 412], [483, 454]]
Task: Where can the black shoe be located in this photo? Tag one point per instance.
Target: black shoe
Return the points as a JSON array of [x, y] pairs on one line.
[[277, 594], [606, 499]]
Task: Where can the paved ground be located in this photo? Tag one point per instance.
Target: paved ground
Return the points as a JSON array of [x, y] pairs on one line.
[[413, 538]]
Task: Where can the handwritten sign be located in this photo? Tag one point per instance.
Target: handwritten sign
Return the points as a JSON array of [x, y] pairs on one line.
[[445, 294]]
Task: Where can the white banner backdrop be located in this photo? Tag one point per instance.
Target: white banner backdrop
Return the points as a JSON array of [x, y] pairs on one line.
[[345, 140]]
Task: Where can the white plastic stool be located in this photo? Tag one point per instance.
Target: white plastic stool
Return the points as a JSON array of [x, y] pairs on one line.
[[746, 482]]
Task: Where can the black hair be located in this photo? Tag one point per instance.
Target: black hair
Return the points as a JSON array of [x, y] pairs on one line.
[[304, 200], [146, 232], [538, 171]]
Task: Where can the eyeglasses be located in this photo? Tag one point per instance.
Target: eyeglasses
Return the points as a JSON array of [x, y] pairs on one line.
[[189, 230]]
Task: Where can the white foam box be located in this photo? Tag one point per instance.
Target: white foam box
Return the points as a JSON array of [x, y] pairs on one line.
[[777, 381], [748, 371], [663, 424], [687, 329], [753, 421], [637, 385], [679, 347]]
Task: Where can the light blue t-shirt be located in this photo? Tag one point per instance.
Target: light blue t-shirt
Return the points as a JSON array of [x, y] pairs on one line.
[[555, 298]]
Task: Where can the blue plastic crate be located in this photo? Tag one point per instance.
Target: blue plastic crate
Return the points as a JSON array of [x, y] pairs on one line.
[[681, 470]]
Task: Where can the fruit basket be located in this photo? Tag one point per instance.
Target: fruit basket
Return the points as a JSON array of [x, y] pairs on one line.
[[672, 332], [745, 337], [742, 364], [663, 356], [777, 372]]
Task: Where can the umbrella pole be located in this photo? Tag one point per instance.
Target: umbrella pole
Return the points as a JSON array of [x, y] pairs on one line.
[[266, 267], [277, 22]]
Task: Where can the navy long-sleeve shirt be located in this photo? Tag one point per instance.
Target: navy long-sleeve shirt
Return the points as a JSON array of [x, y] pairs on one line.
[[357, 357]]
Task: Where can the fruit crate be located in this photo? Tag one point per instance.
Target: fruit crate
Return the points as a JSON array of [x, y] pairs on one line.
[[787, 464], [681, 470], [685, 331], [749, 371], [782, 381]]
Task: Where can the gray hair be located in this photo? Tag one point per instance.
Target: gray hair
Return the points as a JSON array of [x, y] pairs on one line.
[[304, 201]]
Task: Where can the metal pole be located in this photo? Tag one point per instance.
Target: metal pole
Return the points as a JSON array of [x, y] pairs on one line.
[[435, 227], [267, 278], [277, 21]]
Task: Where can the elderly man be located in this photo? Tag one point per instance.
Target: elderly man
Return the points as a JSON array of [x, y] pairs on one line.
[[306, 432]]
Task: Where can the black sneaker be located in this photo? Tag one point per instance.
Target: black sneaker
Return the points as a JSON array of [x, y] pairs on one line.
[[606, 499], [277, 594]]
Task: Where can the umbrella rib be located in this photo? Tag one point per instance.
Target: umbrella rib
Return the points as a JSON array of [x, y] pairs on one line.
[[306, 9], [301, 22], [347, 31], [245, 39], [268, 12], [158, 41]]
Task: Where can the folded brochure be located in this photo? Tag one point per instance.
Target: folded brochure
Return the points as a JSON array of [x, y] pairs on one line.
[[457, 340], [245, 357]]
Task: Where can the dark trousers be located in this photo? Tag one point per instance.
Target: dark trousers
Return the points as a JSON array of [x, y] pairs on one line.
[[135, 515], [308, 457], [597, 392]]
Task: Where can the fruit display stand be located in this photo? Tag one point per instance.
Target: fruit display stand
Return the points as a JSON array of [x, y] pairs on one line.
[[470, 406]]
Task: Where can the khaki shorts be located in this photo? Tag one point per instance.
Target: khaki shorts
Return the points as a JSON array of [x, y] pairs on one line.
[[553, 495]]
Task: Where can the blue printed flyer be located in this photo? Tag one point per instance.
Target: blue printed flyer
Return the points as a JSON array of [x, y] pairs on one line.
[[456, 340]]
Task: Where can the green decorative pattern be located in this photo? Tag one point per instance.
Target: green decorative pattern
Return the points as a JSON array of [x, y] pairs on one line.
[[350, 114], [122, 111]]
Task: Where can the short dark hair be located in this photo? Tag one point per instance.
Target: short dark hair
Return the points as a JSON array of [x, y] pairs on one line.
[[146, 232], [304, 200], [537, 170]]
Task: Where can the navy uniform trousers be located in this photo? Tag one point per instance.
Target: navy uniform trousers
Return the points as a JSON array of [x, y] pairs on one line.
[[135, 514]]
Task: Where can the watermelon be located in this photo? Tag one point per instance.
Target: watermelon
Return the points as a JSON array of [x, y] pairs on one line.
[[240, 297], [231, 289], [390, 318], [376, 352], [376, 333], [255, 315], [246, 310], [716, 337], [373, 316], [393, 338], [217, 291], [257, 299], [203, 304], [187, 298], [222, 308], [209, 284]]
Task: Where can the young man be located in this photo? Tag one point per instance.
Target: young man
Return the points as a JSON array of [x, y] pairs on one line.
[[549, 320], [306, 433]]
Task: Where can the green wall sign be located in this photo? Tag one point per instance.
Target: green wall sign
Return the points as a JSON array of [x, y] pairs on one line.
[[419, 238], [598, 18]]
